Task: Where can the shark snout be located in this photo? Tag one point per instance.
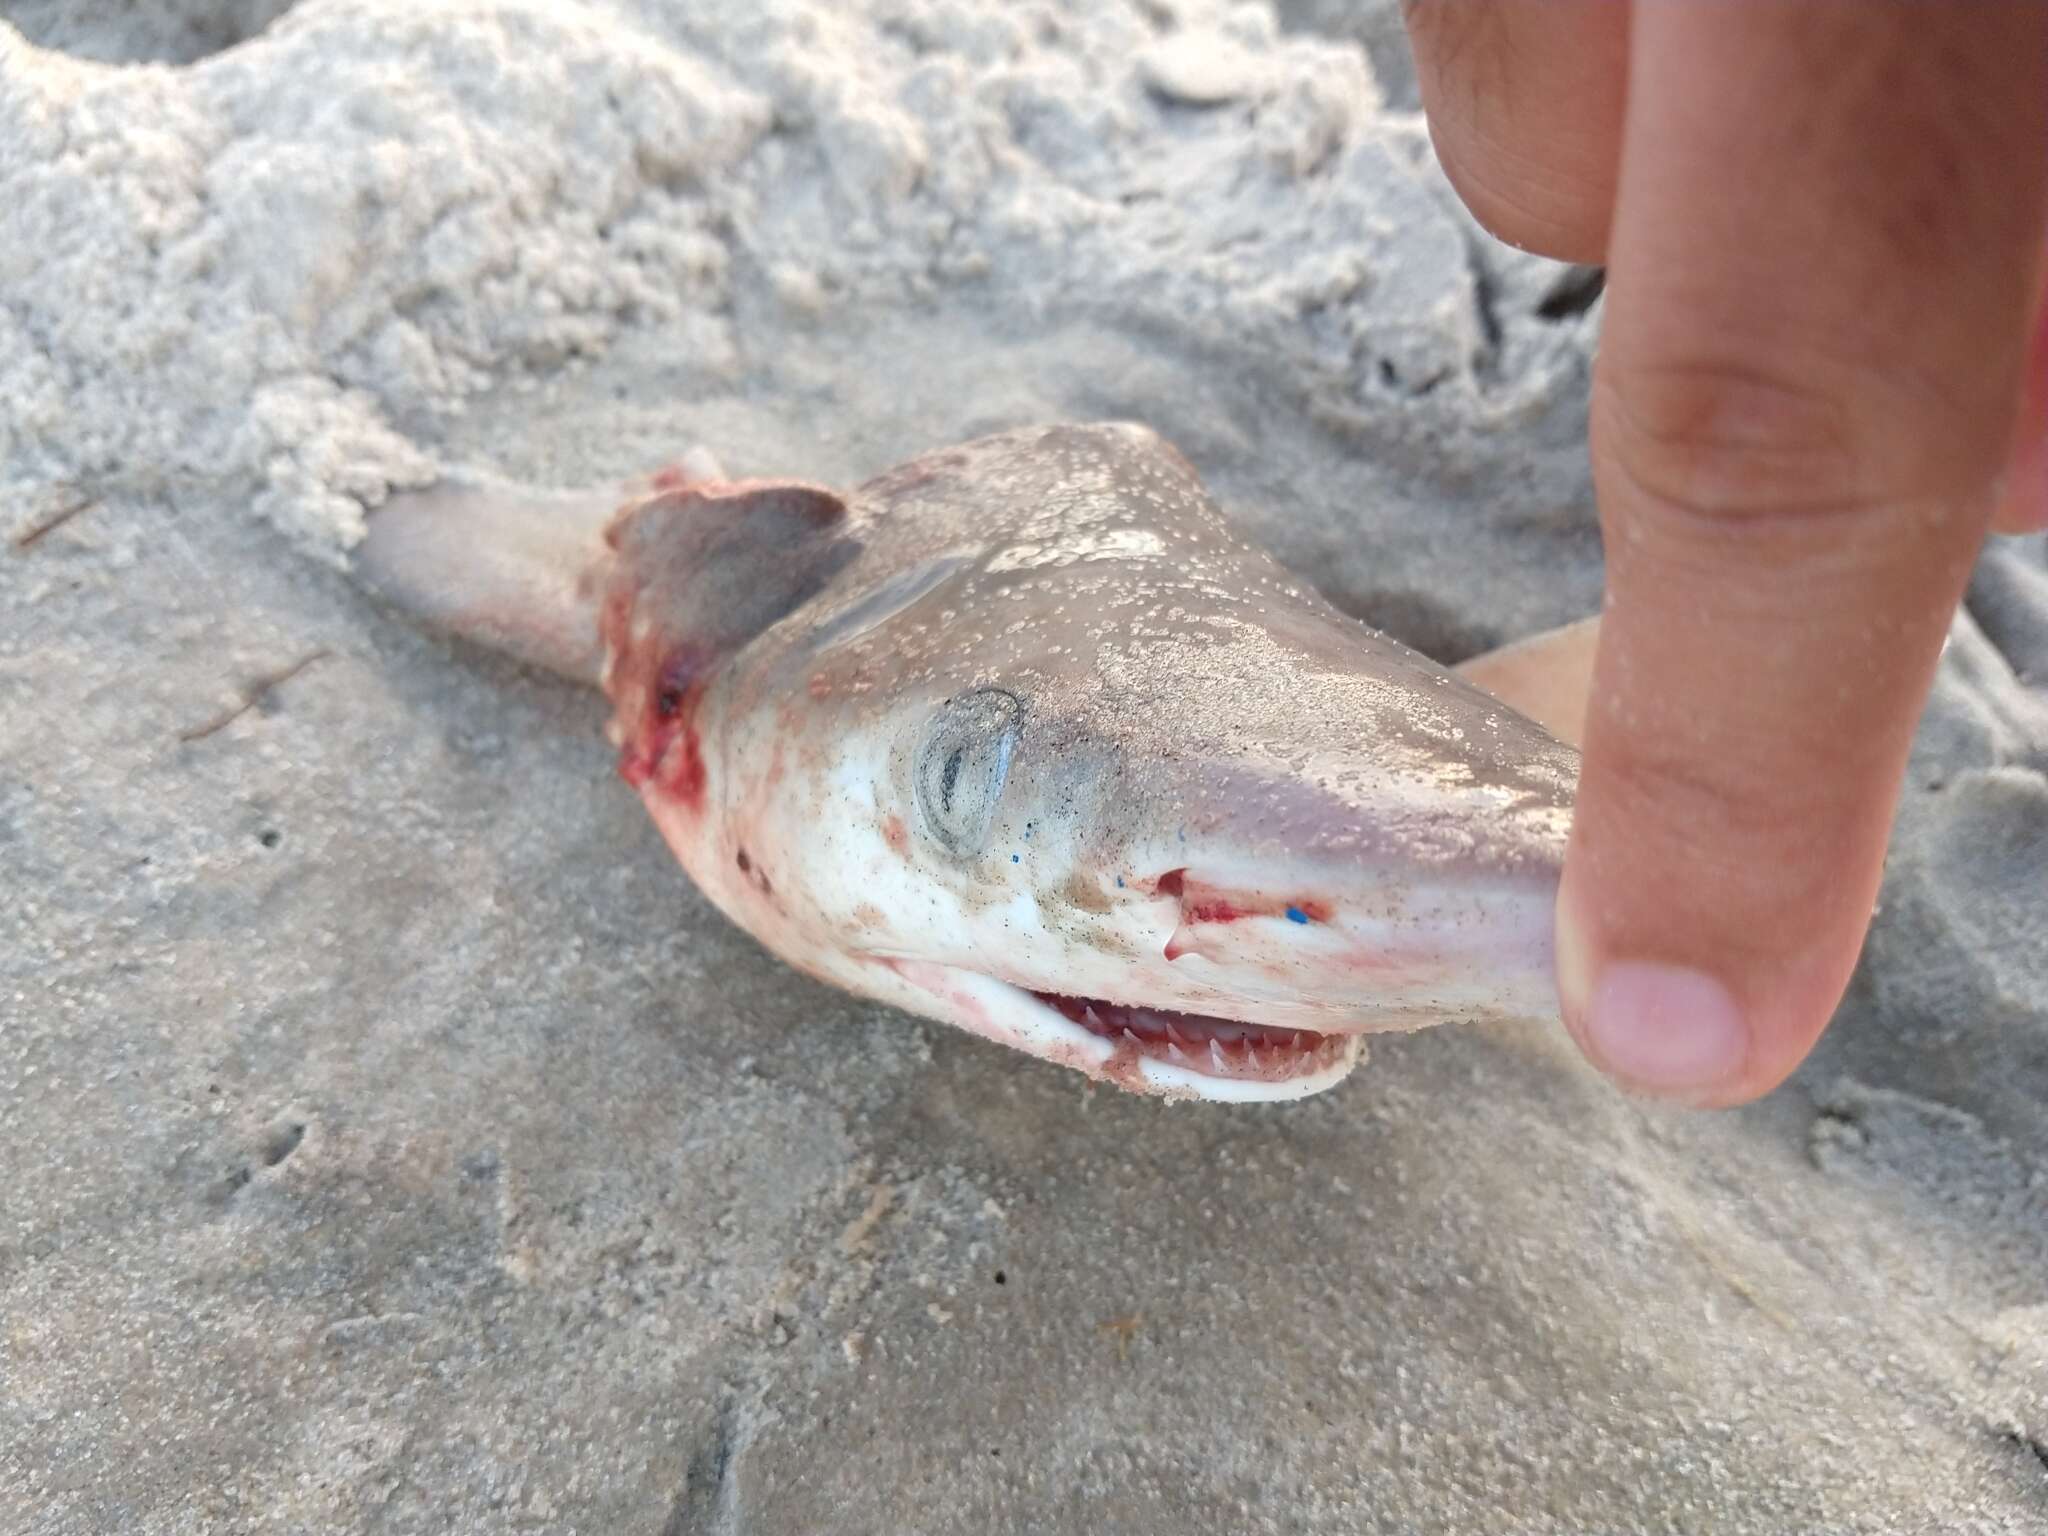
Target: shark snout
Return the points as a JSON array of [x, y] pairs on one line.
[[1342, 949]]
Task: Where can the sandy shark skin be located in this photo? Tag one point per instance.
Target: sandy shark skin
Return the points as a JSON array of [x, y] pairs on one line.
[[1021, 736]]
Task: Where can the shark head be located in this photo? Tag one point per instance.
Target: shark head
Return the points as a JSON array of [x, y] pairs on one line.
[[1020, 736]]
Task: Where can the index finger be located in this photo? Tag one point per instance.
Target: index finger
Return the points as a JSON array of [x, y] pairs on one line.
[[1826, 245]]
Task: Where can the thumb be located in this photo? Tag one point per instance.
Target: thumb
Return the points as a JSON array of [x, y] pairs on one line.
[[1825, 250]]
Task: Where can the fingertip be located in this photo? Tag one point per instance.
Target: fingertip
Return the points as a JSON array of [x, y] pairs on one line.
[[1703, 1031], [1793, 451], [1662, 1031], [1665, 1032], [1524, 105]]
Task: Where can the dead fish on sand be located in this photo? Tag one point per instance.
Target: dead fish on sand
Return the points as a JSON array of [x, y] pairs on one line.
[[1021, 736]]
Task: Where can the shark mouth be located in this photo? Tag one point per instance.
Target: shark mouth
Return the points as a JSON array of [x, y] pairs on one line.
[[1206, 1046], [1136, 1046]]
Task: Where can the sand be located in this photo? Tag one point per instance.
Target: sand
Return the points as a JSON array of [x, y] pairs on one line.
[[393, 1140]]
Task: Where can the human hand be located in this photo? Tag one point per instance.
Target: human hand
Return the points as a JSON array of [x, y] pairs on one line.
[[1816, 393]]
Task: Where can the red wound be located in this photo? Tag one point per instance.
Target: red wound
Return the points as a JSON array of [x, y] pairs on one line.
[[686, 783], [663, 748], [701, 570], [1201, 903]]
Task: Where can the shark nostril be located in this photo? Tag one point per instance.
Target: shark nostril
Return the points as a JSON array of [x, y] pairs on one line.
[[1174, 884], [1203, 903], [1205, 909]]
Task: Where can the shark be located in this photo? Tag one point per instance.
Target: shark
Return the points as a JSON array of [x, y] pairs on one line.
[[1021, 735]]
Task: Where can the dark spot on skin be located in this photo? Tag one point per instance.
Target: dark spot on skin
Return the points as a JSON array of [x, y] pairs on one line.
[[759, 877], [1085, 894], [999, 1277], [669, 703], [270, 837], [952, 777]]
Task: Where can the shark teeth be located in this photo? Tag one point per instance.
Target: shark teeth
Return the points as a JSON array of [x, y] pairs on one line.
[[1236, 1049]]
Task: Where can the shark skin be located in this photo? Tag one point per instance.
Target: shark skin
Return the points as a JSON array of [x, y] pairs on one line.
[[1021, 736]]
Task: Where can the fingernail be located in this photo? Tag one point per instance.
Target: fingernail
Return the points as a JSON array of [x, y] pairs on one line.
[[1664, 1030]]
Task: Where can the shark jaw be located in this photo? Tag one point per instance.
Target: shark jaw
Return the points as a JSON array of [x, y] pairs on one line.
[[1198, 982], [1146, 1050], [1212, 989]]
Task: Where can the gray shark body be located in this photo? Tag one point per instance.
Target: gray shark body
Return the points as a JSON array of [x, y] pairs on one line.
[[1022, 736]]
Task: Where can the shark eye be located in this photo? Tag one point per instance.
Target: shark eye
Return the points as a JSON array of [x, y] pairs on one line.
[[961, 765]]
